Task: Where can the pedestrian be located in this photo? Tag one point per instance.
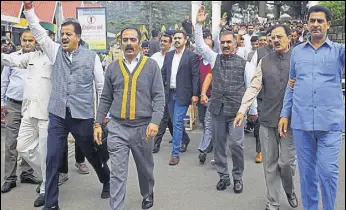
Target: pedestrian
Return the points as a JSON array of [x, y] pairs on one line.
[[12, 88], [279, 153], [231, 74], [135, 117], [180, 73], [315, 106], [75, 71]]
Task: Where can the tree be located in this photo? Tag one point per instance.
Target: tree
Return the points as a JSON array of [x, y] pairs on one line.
[[337, 8]]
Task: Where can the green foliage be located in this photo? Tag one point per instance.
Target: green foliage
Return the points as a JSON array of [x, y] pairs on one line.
[[336, 7]]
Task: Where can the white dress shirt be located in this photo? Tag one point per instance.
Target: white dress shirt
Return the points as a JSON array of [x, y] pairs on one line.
[[159, 58], [131, 66], [175, 66]]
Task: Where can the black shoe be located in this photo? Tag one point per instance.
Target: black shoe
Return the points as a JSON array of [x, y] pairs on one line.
[[105, 191], [202, 157], [223, 184], [238, 186], [51, 208], [29, 179], [39, 201], [38, 188], [156, 148], [292, 200], [148, 202], [7, 186], [183, 147]]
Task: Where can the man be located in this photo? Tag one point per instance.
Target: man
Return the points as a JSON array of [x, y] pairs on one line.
[[12, 88], [187, 26], [145, 48], [205, 144], [180, 73], [254, 47], [247, 37], [316, 108], [279, 153], [159, 57], [136, 106], [70, 107], [295, 38], [262, 40], [231, 74], [154, 43]]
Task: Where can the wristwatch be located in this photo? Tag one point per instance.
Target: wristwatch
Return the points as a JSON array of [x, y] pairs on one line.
[[203, 95]]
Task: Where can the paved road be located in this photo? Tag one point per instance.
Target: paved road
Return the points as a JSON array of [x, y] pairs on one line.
[[188, 186]]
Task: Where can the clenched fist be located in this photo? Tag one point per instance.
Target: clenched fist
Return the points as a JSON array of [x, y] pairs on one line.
[[98, 133], [152, 130]]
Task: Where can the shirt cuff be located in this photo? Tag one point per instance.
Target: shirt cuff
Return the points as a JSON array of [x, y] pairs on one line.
[[253, 112], [156, 118], [285, 114]]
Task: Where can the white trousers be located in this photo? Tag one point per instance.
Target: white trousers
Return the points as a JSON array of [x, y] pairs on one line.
[[32, 145]]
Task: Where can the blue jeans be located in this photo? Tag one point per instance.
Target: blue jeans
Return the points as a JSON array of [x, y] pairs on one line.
[[318, 161], [177, 113]]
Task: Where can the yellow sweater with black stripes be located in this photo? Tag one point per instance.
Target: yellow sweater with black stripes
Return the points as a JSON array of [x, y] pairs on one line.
[[133, 99]]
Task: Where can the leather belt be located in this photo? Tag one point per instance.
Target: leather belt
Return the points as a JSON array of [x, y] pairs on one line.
[[14, 101]]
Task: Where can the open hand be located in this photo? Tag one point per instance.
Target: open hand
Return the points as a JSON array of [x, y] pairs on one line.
[[98, 134], [201, 16], [238, 121], [152, 130], [282, 127]]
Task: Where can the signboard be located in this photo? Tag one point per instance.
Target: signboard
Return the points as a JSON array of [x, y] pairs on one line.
[[94, 27]]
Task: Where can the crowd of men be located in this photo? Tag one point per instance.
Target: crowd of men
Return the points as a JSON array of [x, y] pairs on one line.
[[272, 76]]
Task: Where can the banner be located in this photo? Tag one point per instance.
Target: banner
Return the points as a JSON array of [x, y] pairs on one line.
[[94, 27]]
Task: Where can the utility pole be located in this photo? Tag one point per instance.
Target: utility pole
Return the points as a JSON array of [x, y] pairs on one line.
[[58, 18]]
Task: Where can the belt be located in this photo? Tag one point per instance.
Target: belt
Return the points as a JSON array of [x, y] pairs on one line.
[[14, 101], [173, 90]]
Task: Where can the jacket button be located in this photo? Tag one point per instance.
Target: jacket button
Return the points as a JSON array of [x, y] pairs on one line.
[[281, 80]]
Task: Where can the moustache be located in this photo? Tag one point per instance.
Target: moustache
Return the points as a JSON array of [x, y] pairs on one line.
[[225, 48], [129, 47], [177, 42]]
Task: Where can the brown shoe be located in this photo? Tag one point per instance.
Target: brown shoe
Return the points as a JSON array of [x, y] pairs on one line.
[[174, 161], [259, 158], [82, 168]]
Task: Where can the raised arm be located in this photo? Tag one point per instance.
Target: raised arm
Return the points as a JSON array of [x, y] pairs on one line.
[[49, 47]]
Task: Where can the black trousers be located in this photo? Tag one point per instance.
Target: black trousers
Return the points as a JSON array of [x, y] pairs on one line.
[[79, 156]]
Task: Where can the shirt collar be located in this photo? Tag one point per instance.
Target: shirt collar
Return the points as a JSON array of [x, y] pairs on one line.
[[182, 52], [136, 59], [326, 41]]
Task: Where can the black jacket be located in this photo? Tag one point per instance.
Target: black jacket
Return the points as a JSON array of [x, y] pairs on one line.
[[187, 80]]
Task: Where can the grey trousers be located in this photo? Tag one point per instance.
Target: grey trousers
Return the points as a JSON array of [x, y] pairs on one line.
[[12, 120], [223, 131], [121, 139], [206, 137], [279, 163]]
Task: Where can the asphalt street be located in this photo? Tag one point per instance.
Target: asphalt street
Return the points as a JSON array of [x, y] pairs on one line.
[[187, 186]]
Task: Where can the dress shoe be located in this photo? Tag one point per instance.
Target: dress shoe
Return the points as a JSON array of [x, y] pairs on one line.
[[202, 157], [38, 188], [223, 184], [30, 179], [148, 202], [174, 161], [106, 191], [51, 208], [292, 200], [7, 186], [238, 186], [259, 158], [156, 148], [183, 147], [39, 201]]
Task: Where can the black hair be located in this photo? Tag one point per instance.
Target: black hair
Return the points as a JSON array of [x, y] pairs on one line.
[[320, 8], [286, 28], [131, 28], [155, 33], [76, 25], [169, 36], [294, 30], [254, 39], [25, 31], [180, 32]]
